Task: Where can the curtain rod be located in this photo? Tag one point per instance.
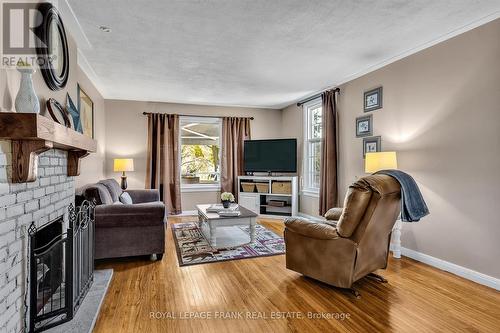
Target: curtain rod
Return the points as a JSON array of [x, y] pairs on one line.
[[192, 115], [313, 97]]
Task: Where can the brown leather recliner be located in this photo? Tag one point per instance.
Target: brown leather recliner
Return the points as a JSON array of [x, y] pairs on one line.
[[344, 251]]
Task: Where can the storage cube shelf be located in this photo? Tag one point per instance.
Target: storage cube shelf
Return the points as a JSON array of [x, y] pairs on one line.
[[255, 193]]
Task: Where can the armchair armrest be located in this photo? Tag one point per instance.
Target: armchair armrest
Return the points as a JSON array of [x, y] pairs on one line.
[[311, 229], [333, 214], [332, 223], [136, 215], [141, 196]]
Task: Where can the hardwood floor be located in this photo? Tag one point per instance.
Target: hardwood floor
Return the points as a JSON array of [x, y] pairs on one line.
[[145, 295]]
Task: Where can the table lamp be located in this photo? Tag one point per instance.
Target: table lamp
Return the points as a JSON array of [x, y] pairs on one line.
[[380, 161], [123, 165]]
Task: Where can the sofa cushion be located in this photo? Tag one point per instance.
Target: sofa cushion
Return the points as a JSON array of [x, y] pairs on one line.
[[113, 187], [141, 196], [126, 199], [98, 193]]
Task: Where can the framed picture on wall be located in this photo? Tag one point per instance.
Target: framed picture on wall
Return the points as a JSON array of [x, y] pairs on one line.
[[371, 145], [86, 110], [372, 99], [364, 126]]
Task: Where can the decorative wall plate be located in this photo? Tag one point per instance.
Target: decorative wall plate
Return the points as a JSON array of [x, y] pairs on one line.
[[57, 112]]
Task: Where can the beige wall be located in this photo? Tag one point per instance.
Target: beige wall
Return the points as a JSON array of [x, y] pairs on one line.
[[92, 167], [292, 119], [441, 114], [126, 135]]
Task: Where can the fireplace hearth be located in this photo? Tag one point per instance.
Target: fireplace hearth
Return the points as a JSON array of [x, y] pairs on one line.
[[61, 267]]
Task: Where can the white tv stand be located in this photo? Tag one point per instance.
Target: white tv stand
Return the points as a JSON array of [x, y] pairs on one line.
[[258, 201]]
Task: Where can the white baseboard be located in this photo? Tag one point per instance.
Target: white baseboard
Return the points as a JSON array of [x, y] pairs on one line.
[[188, 213], [464, 272]]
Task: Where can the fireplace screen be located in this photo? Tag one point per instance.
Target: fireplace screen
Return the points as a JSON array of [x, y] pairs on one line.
[[61, 267]]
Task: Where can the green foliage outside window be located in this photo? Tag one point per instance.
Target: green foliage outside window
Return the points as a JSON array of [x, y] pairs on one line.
[[200, 161]]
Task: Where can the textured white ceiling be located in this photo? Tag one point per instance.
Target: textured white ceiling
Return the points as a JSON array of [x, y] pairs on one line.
[[260, 53]]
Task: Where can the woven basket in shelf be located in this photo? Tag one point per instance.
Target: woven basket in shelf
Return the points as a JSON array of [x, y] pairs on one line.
[[248, 187], [281, 188], [262, 187]]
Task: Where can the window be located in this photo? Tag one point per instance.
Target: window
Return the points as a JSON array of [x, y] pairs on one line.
[[200, 152], [312, 146]]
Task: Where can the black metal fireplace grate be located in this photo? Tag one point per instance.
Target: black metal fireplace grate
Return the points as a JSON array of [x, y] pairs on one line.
[[61, 267]]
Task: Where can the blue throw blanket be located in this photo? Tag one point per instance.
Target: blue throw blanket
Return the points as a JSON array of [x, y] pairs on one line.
[[413, 206]]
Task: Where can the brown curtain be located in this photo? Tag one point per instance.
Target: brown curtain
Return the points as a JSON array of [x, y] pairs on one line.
[[163, 170], [234, 132], [328, 193]]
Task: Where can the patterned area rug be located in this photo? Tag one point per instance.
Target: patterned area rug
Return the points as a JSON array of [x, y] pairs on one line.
[[193, 248]]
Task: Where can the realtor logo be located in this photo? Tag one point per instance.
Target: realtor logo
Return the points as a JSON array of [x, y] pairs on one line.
[[20, 21]]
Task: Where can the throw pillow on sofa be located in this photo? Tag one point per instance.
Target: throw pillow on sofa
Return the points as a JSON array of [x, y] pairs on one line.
[[126, 199]]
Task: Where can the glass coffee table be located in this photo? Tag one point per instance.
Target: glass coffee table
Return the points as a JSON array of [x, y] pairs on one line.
[[222, 232]]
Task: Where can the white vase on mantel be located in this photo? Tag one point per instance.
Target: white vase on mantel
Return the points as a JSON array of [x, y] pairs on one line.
[[26, 99]]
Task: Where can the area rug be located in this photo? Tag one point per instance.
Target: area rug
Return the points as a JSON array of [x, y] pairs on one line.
[[193, 248]]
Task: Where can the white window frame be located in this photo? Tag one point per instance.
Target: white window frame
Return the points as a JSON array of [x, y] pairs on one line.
[[307, 188], [200, 187]]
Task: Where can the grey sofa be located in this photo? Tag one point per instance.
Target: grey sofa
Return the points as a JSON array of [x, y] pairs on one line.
[[123, 230]]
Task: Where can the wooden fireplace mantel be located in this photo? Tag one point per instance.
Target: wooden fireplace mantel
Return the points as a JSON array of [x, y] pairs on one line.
[[32, 134]]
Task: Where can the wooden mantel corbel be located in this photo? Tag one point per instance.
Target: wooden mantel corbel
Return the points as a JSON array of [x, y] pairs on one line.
[[32, 134], [74, 158], [25, 159]]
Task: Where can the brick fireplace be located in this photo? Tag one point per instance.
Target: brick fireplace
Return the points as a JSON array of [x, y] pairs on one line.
[[41, 201]]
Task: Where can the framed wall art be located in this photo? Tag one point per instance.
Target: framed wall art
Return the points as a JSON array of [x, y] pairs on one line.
[[86, 110], [372, 99], [364, 126], [371, 145]]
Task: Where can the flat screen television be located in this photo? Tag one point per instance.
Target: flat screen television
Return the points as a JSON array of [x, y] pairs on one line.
[[279, 155]]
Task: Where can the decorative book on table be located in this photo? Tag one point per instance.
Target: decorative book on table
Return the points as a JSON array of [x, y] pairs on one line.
[[215, 208], [228, 212]]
